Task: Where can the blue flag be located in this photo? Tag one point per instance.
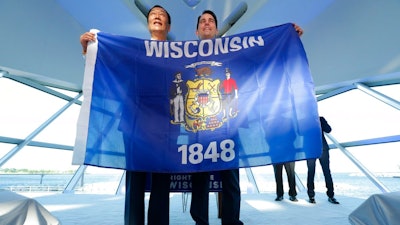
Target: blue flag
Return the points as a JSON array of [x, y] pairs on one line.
[[201, 105]]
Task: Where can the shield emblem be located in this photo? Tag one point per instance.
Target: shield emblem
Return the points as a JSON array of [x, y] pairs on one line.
[[203, 98], [203, 104]]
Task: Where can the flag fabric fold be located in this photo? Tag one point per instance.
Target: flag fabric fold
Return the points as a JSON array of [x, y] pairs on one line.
[[199, 105]]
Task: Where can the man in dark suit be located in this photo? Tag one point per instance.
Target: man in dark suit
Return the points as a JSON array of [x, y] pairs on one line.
[[159, 24], [207, 29], [291, 176], [324, 161]]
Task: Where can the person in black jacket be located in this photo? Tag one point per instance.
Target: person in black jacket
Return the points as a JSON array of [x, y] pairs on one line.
[[324, 161]]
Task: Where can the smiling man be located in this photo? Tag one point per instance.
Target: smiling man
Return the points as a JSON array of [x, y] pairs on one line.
[[207, 29], [159, 24]]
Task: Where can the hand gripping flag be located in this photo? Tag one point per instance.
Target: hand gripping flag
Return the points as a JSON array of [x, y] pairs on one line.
[[200, 105]]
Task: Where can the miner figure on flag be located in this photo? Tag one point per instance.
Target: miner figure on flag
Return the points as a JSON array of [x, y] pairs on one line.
[[229, 92]]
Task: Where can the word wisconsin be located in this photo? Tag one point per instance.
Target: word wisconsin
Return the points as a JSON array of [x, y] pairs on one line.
[[204, 48]]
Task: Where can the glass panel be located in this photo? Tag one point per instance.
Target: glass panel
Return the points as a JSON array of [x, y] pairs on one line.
[[392, 91], [24, 108], [355, 115], [63, 129]]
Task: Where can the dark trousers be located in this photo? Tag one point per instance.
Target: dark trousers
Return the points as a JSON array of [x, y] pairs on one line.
[[135, 184], [134, 198], [289, 167], [230, 198], [158, 213], [199, 203], [324, 161]]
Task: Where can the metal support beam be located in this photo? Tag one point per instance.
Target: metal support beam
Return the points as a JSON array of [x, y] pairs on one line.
[[384, 98], [121, 184], [3, 73], [233, 17], [252, 180], [363, 169], [29, 138], [299, 183], [42, 88], [371, 141], [335, 92], [17, 141], [75, 179]]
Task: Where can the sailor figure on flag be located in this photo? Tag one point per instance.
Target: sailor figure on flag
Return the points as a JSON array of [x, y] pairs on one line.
[[178, 90]]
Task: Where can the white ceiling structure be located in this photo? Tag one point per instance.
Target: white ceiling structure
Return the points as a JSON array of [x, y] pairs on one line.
[[350, 44], [346, 40]]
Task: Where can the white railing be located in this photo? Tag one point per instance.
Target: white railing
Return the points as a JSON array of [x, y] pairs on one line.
[[35, 188]]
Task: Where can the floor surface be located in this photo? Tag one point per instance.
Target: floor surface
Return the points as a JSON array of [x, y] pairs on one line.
[[256, 209]]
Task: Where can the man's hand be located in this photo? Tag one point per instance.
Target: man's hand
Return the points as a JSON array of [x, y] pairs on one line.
[[85, 38], [298, 29]]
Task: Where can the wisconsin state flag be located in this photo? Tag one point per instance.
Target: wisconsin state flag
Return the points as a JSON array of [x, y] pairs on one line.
[[199, 105]]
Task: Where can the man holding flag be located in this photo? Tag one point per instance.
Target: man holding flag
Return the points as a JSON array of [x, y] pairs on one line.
[[159, 24], [207, 29]]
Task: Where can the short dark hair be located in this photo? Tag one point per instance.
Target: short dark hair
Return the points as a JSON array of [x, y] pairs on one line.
[[207, 12], [159, 6]]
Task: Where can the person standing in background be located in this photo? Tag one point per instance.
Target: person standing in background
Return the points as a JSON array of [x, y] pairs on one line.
[[324, 161], [289, 167]]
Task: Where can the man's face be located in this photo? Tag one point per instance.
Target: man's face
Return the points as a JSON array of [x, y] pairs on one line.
[[207, 28], [158, 20]]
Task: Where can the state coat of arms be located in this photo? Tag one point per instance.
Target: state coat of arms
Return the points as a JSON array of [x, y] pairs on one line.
[[199, 105]]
